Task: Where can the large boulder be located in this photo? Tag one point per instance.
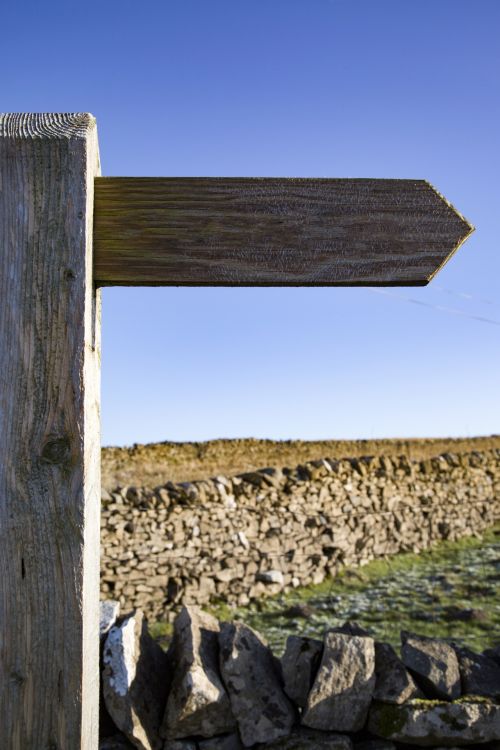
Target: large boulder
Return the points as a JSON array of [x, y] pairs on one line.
[[434, 724], [342, 691], [434, 665], [135, 681], [198, 704], [480, 675], [261, 708], [394, 684], [299, 665]]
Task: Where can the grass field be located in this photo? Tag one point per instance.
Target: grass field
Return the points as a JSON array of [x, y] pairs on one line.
[[450, 591], [158, 463]]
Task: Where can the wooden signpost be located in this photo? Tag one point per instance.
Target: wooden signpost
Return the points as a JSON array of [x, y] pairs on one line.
[[55, 251]]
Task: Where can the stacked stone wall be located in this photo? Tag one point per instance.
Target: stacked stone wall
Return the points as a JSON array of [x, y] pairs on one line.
[[220, 687], [247, 536]]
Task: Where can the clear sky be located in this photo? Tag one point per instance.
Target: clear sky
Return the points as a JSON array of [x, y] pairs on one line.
[[346, 88]]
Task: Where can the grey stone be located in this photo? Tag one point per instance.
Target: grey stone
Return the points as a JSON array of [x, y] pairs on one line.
[[464, 615], [299, 665], [434, 665], [300, 610], [271, 576], [308, 739], [436, 724], [375, 745], [342, 691], [180, 745], [249, 671], [393, 684], [135, 681], [226, 742], [350, 627], [198, 703], [108, 614], [493, 653], [480, 675]]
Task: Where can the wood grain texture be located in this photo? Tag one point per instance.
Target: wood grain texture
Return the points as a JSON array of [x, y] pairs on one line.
[[49, 434], [271, 231]]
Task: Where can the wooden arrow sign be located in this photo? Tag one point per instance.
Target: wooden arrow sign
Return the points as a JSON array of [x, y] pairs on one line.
[[271, 232]]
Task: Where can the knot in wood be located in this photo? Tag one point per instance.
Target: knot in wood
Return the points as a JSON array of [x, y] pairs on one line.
[[56, 450]]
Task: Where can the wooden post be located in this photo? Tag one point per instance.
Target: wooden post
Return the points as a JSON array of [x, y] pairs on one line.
[[49, 434]]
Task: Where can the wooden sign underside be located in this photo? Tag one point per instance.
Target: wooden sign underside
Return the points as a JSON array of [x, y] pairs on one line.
[[271, 232]]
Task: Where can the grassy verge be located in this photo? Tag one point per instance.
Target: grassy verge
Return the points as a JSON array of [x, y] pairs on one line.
[[450, 591]]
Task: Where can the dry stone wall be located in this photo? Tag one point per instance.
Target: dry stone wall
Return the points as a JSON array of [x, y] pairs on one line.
[[243, 537], [220, 687]]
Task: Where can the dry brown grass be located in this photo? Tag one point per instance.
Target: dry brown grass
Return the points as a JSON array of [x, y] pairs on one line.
[[158, 463]]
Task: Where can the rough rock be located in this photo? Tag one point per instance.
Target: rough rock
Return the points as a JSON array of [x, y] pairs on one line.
[[434, 665], [375, 745], [394, 684], [271, 576], [135, 681], [493, 653], [116, 742], [435, 724], [108, 614], [480, 675], [226, 742], [350, 627], [261, 708], [180, 745], [300, 610], [198, 704], [308, 739], [342, 691], [454, 613], [299, 665]]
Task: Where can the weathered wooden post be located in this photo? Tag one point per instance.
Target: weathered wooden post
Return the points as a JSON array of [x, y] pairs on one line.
[[49, 434], [161, 231]]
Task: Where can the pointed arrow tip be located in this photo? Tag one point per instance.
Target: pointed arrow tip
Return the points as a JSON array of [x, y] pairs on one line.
[[468, 229]]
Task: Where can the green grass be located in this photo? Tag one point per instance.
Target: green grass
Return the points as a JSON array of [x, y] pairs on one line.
[[450, 591]]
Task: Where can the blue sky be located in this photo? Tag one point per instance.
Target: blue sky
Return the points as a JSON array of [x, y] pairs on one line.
[[346, 88]]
